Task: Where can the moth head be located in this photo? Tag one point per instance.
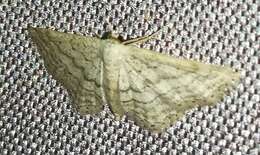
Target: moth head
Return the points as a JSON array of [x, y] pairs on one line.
[[113, 37]]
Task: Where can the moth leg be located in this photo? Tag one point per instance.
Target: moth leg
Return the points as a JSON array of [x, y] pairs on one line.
[[112, 115], [141, 39]]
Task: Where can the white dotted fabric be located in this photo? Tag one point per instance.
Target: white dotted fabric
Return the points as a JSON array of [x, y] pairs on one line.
[[36, 116]]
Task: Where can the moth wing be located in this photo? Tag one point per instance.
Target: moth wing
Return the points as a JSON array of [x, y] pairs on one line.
[[74, 61], [155, 90]]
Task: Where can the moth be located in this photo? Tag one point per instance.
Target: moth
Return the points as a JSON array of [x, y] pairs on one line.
[[152, 89]]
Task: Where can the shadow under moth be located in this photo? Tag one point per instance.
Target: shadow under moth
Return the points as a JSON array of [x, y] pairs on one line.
[[152, 89]]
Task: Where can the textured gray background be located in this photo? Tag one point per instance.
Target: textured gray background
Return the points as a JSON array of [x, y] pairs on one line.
[[36, 116]]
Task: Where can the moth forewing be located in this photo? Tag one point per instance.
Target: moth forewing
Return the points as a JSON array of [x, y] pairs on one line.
[[74, 61]]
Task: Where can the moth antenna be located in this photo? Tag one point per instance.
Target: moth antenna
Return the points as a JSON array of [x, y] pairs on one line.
[[114, 35], [141, 39]]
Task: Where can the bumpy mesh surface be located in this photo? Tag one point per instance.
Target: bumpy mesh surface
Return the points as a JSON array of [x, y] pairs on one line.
[[36, 116]]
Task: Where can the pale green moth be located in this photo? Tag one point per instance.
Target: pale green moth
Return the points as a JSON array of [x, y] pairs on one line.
[[152, 89]]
